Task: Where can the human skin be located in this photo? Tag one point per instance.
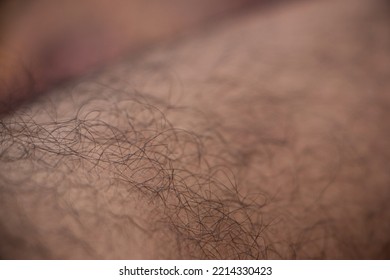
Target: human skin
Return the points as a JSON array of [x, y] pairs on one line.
[[45, 42], [263, 137]]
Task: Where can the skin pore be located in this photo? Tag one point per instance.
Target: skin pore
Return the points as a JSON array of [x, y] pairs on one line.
[[262, 137]]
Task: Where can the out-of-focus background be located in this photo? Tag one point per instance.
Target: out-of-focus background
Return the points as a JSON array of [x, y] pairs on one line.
[[43, 42]]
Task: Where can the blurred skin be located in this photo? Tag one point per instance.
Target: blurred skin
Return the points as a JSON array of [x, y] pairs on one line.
[[264, 136], [46, 42]]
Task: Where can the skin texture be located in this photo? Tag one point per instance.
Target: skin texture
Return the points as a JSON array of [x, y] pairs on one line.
[[263, 137]]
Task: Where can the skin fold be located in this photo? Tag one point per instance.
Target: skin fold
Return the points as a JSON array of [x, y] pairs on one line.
[[46, 42], [264, 136]]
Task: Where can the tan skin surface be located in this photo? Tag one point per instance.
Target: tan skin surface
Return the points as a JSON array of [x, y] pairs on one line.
[[262, 137]]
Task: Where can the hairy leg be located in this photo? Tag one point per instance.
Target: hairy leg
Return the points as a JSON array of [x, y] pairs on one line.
[[264, 137]]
